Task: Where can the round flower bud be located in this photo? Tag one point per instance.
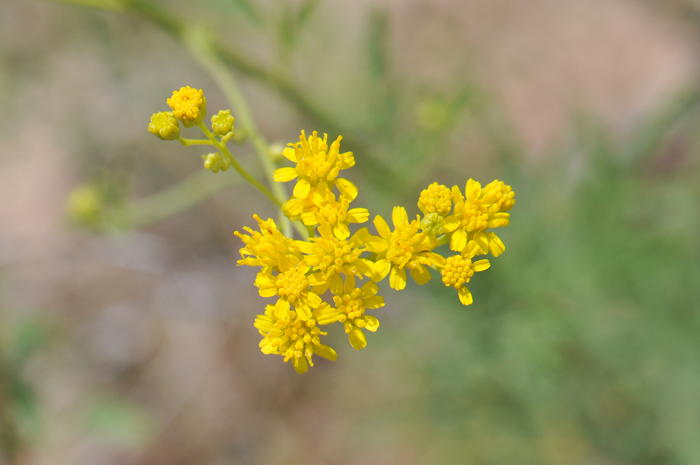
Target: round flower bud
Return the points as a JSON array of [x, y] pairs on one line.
[[189, 106], [433, 224], [216, 162], [84, 205], [222, 123], [164, 125]]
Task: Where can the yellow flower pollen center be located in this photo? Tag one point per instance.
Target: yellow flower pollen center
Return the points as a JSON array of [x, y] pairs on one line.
[[475, 216], [334, 214], [400, 251], [334, 257], [291, 284], [457, 271], [436, 199], [350, 308], [186, 103]]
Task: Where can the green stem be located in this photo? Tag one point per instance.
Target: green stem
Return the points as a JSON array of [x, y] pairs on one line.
[[237, 166], [188, 142], [201, 48]]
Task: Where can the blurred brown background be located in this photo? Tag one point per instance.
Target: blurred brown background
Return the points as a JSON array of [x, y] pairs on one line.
[[137, 346]]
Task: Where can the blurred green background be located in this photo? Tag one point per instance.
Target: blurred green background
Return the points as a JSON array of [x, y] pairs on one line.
[[132, 341]]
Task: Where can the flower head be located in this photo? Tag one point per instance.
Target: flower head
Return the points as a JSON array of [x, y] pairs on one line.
[[267, 248], [401, 249], [216, 162], [458, 270], [189, 105], [222, 123], [329, 256], [317, 164], [292, 286], [289, 335], [474, 213], [334, 213], [352, 302], [436, 198], [164, 125]]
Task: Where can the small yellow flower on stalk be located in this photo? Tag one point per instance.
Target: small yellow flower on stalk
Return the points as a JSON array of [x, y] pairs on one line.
[[352, 303], [436, 198], [287, 334], [329, 256], [475, 212], [335, 214], [317, 165], [498, 192], [216, 162], [458, 270], [189, 106], [292, 286], [222, 123], [164, 125], [268, 247], [403, 248]]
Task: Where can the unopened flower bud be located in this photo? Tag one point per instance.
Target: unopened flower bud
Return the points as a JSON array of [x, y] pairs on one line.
[[164, 125], [189, 106], [222, 123], [216, 162], [433, 224]]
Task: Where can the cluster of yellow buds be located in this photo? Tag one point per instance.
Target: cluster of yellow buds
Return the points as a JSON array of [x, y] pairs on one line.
[[318, 281], [299, 273]]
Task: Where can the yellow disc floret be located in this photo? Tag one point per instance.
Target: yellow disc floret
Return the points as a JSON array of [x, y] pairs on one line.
[[435, 199], [189, 105], [499, 193], [164, 125], [457, 272], [291, 284]]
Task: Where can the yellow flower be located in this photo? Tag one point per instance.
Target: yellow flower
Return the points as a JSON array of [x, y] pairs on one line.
[[351, 303], [329, 255], [457, 272], [475, 212], [287, 334], [292, 286], [335, 214], [317, 164], [222, 123], [435, 199], [499, 193], [216, 162], [164, 125], [189, 105], [403, 248], [268, 247]]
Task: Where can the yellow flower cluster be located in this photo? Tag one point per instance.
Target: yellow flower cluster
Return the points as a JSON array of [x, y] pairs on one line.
[[299, 273]]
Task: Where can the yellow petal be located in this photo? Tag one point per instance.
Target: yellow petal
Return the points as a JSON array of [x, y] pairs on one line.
[[336, 283], [316, 279], [421, 274], [382, 227], [341, 231], [465, 296], [300, 365], [290, 153], [480, 239], [281, 308], [451, 223], [495, 244], [397, 279], [303, 309], [302, 189], [285, 174], [374, 302], [369, 289], [312, 299], [458, 240], [268, 292], [481, 265], [381, 269], [349, 284], [325, 352], [357, 215], [357, 339], [346, 188], [309, 218], [372, 323], [399, 216], [376, 244]]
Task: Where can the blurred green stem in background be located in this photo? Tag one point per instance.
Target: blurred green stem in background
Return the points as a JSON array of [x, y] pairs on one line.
[[199, 44], [166, 203]]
